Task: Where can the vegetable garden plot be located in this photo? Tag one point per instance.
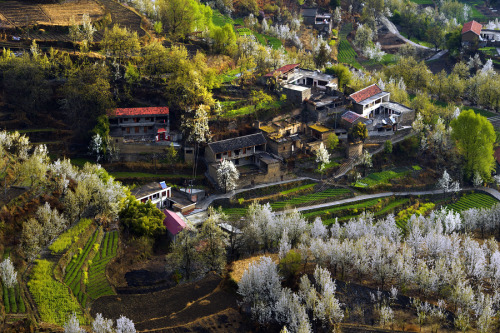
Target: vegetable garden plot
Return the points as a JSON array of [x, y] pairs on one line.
[[53, 299], [473, 200], [12, 299], [64, 241], [98, 284]]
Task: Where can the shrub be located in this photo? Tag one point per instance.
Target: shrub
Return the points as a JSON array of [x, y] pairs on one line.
[[290, 265]]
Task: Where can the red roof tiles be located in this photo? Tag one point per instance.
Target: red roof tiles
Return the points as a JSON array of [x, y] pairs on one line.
[[365, 93], [283, 69], [473, 26], [350, 116], [158, 110], [173, 222]]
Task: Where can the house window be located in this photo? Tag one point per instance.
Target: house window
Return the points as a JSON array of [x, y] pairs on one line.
[[137, 129], [218, 156], [229, 154], [128, 129], [145, 129], [125, 119], [244, 150], [236, 152]]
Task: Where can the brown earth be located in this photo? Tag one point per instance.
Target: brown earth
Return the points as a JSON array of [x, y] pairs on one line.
[[178, 306]]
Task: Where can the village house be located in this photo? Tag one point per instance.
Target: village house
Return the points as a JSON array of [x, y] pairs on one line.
[[299, 84], [174, 224], [383, 115], [322, 22], [471, 34], [149, 124], [248, 153], [283, 137], [163, 196], [157, 193]]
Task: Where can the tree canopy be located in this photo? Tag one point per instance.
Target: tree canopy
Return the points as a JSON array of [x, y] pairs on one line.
[[142, 219], [475, 137]]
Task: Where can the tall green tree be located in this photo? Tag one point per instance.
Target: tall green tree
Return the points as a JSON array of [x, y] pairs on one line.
[[342, 73], [142, 219], [475, 138], [181, 17], [120, 42], [86, 96]]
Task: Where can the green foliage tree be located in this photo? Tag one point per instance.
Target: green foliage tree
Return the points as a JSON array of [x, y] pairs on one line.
[[290, 265], [142, 219], [120, 42], [190, 80], [155, 59], [358, 132], [224, 39], [86, 96], [181, 17], [454, 41], [342, 73], [26, 85], [213, 244], [184, 255], [332, 141], [388, 147], [171, 154], [132, 74], [249, 7], [322, 56], [475, 137]]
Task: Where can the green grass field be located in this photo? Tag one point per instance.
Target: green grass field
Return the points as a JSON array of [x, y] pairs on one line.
[[220, 20], [473, 200], [249, 109], [387, 59], [423, 2], [482, 112]]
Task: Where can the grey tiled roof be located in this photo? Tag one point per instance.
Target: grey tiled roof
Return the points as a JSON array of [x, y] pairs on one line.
[[237, 143]]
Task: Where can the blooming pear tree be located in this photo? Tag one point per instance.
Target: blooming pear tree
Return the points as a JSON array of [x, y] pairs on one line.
[[8, 273], [227, 175]]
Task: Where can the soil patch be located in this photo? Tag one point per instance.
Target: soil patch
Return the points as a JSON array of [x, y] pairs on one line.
[[170, 308]]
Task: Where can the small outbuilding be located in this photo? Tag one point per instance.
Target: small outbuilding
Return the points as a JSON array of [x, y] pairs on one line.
[[174, 223]]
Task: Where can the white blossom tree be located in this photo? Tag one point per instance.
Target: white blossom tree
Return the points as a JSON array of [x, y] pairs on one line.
[[102, 325], [8, 273], [322, 157], [125, 325], [73, 325], [477, 180], [227, 175]]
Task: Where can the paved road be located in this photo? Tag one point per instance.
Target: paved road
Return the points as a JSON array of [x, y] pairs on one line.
[[438, 55], [392, 28]]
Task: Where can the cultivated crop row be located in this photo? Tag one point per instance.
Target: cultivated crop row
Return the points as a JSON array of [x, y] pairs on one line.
[[473, 200], [12, 299], [98, 284], [64, 241], [53, 298]]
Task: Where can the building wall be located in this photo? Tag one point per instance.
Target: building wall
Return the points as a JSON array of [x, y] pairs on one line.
[[284, 149], [469, 37], [297, 96]]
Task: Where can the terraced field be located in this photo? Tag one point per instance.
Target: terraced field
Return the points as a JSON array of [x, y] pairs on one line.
[[12, 299], [473, 200], [98, 284], [123, 16], [346, 53], [299, 201]]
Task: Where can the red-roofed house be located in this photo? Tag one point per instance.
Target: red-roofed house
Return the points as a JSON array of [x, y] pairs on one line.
[[471, 33], [282, 71], [174, 223], [366, 101], [144, 124]]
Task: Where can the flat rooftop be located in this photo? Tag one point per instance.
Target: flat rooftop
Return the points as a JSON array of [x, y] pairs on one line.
[[396, 107]]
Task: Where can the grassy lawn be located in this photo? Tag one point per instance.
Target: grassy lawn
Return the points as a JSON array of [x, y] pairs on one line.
[[260, 38], [482, 112], [80, 162], [121, 175], [274, 42], [383, 177], [473, 200], [230, 75]]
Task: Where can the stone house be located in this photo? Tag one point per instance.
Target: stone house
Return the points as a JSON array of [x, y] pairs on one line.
[[322, 22], [149, 124], [471, 34]]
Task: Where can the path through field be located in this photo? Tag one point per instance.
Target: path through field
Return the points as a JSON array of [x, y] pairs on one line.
[[392, 28]]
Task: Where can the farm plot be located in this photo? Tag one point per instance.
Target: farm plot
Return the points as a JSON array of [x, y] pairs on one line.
[[299, 201], [53, 299], [383, 177], [473, 200], [244, 32], [379, 207], [76, 276], [12, 299], [60, 13], [98, 285], [124, 17], [63, 242], [346, 53]]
